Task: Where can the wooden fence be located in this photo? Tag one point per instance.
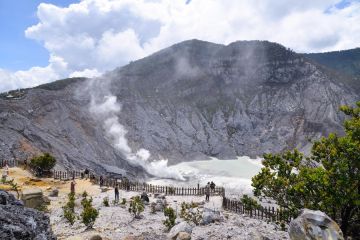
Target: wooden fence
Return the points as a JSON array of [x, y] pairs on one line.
[[262, 212], [10, 163], [125, 184]]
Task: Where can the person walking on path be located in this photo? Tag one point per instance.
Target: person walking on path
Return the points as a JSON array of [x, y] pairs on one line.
[[116, 193], [72, 187], [207, 192], [101, 181]]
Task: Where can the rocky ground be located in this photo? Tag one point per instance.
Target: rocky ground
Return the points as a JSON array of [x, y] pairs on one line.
[[115, 222]]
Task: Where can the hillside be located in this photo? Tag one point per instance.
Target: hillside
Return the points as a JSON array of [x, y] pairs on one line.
[[189, 101]]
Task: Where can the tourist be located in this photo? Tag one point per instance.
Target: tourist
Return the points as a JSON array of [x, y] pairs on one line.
[[6, 169], [207, 192], [212, 186], [116, 193], [72, 187], [25, 164], [101, 181], [144, 197], [86, 172]]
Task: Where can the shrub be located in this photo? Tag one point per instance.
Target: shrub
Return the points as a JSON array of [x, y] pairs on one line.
[[123, 201], [84, 194], [69, 209], [89, 213], [170, 217], [136, 206], [42, 164], [190, 213], [106, 201], [249, 203]]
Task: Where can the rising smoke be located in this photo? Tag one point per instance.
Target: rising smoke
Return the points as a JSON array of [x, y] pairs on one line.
[[105, 107]]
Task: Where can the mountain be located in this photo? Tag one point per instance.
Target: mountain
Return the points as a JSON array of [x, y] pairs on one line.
[[190, 101], [346, 62]]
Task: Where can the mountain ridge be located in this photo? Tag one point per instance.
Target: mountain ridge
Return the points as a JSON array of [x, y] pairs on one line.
[[189, 101]]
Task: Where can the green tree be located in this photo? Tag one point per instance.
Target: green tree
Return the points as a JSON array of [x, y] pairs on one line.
[[42, 164], [328, 180]]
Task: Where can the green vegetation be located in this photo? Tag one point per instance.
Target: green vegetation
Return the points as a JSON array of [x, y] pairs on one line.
[[170, 215], [14, 186], [136, 206], [69, 209], [123, 201], [42, 164], [106, 201], [190, 213], [328, 180], [89, 213], [249, 203]]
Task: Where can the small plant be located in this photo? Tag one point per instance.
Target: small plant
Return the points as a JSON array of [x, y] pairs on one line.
[[14, 186], [123, 201], [106, 201], [84, 194], [152, 208], [89, 213], [136, 206], [69, 209], [249, 203], [171, 190], [170, 217], [190, 213]]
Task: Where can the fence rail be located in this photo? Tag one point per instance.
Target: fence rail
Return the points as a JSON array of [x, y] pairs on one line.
[[125, 184], [262, 212], [10, 163]]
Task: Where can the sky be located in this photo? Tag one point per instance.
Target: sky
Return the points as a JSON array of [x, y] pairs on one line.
[[46, 40]]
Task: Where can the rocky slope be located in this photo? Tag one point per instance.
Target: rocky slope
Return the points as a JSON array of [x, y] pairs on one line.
[[189, 101], [19, 222]]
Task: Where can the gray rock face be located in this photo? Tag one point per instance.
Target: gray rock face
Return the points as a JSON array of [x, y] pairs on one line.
[[19, 222], [190, 101], [314, 225], [181, 227]]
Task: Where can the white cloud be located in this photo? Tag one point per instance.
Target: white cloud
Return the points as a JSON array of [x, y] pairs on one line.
[[94, 36]]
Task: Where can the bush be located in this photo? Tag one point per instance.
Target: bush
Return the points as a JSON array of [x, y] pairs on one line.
[[170, 217], [106, 201], [89, 213], [69, 209], [136, 206], [249, 203], [42, 164], [189, 214], [123, 202]]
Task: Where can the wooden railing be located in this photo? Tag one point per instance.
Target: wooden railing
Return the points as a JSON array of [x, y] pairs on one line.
[[262, 212], [10, 163], [125, 184]]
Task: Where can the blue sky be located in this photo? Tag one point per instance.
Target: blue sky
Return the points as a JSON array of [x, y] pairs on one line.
[[17, 51], [95, 36]]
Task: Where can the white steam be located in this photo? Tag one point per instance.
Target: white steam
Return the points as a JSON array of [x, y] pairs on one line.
[[107, 109]]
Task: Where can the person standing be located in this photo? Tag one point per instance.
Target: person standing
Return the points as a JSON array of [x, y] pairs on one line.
[[116, 193], [207, 192], [212, 186], [72, 187], [101, 181]]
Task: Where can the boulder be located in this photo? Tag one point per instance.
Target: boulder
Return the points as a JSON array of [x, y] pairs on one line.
[[132, 237], [96, 237], [19, 222], [311, 225], [183, 236], [54, 192], [32, 198], [211, 216], [181, 227]]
